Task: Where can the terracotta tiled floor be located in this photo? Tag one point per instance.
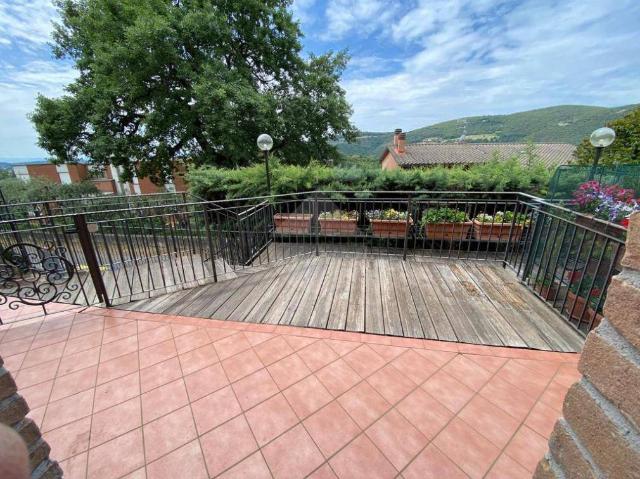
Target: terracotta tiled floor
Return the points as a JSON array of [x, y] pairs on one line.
[[127, 394]]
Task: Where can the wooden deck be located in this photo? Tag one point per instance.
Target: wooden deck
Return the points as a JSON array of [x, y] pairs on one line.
[[454, 300]]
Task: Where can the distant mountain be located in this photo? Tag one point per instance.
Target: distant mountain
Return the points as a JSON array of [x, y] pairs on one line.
[[6, 163], [556, 124]]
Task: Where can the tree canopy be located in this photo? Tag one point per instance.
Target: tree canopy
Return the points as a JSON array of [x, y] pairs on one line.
[[624, 150], [166, 81]]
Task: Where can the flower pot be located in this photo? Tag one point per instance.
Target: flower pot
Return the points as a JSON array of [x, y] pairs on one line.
[[581, 304], [548, 292], [292, 222], [447, 231], [496, 231], [338, 226], [389, 228]]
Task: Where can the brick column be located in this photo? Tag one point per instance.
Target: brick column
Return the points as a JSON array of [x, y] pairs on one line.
[[13, 411], [599, 435]]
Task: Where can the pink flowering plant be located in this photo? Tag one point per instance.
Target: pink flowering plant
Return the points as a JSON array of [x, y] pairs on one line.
[[611, 203]]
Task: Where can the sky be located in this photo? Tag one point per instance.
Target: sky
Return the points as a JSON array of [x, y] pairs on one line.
[[413, 62]]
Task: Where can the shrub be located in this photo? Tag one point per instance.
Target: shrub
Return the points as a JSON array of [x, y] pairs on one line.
[[510, 175]]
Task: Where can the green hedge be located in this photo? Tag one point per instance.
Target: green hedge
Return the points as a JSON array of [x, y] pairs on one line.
[[510, 175], [42, 189]]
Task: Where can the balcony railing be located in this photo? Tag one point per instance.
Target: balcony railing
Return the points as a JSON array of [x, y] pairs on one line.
[[124, 254]]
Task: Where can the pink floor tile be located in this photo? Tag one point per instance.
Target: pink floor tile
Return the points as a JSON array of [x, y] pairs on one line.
[[254, 389], [396, 438], [431, 463], [307, 396], [253, 467], [288, 371], [338, 377], [271, 418], [187, 461], [467, 448], [131, 400], [168, 433], [362, 460], [331, 428], [117, 457], [227, 445], [293, 455], [427, 414], [364, 404], [115, 421]]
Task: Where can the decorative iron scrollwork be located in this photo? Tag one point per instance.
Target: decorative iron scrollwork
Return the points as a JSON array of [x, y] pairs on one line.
[[35, 276]]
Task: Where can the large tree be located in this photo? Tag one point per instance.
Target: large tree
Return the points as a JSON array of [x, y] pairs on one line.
[[624, 150], [166, 81]]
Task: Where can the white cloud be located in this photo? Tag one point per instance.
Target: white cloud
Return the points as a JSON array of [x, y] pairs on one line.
[[355, 16], [19, 87], [471, 57], [26, 23]]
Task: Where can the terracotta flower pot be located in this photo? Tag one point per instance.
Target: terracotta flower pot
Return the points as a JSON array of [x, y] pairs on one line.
[[338, 226], [292, 222], [447, 231], [496, 231], [389, 228], [548, 292], [581, 304]]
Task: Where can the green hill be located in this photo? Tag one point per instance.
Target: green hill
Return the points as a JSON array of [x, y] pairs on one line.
[[556, 124]]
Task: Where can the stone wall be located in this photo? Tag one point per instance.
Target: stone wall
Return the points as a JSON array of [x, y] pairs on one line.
[[13, 411], [599, 435]]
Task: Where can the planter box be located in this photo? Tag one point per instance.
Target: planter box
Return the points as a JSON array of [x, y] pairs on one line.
[[292, 222], [447, 231], [496, 231], [548, 292], [389, 228], [338, 226], [581, 304]]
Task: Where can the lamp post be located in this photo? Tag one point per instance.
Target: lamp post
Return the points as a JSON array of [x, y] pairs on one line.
[[265, 143], [600, 139]]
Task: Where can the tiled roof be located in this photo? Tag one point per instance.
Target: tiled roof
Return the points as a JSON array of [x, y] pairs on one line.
[[427, 154]]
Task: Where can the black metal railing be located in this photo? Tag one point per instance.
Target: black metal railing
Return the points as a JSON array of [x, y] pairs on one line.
[[123, 254]]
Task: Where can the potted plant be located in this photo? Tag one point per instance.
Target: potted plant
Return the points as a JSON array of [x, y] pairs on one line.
[[547, 286], [389, 223], [445, 224], [338, 222], [583, 300], [609, 203], [497, 227], [297, 223]]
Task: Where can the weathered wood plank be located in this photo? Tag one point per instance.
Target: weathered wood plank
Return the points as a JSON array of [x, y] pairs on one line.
[[522, 323], [489, 313], [474, 315], [247, 304], [292, 307], [357, 296], [322, 308], [434, 308], [225, 310], [408, 314], [461, 324], [340, 303], [422, 310], [390, 312], [313, 293], [272, 294], [277, 309], [374, 319]]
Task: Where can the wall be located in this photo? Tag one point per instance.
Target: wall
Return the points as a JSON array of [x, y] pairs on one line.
[[599, 435], [44, 171], [389, 163]]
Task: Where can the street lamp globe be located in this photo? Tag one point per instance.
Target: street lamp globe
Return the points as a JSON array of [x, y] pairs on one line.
[[602, 137], [265, 142]]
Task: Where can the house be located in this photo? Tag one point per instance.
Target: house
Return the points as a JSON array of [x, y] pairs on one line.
[[399, 154], [107, 181]]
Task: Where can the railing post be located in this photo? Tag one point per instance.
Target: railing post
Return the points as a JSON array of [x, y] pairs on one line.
[[317, 223], [210, 241], [90, 256], [406, 229]]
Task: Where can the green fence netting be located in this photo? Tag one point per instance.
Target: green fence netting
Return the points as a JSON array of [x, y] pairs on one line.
[[567, 178]]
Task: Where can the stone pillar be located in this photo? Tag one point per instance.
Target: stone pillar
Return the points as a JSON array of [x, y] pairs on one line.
[[13, 411], [599, 435]]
